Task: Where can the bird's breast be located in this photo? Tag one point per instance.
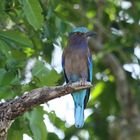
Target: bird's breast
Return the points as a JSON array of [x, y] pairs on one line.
[[76, 63]]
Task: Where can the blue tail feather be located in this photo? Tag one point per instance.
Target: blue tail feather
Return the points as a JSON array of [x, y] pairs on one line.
[[79, 98], [79, 116]]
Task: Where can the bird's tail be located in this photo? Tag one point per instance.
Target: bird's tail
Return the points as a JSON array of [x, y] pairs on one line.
[[79, 116], [79, 108]]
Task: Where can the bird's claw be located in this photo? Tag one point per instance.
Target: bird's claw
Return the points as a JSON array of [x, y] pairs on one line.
[[69, 83], [83, 82]]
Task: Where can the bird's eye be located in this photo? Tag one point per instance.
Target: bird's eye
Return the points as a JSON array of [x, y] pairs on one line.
[[79, 33]]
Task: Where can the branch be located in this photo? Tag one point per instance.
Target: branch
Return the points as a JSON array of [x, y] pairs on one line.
[[15, 107]]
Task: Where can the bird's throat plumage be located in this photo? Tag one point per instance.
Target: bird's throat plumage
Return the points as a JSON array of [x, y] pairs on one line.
[[78, 41]]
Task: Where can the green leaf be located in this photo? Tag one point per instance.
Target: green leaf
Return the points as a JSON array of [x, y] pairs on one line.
[[15, 135], [37, 124], [56, 121], [16, 37], [44, 75], [97, 90], [39, 69], [33, 13], [2, 73], [4, 48], [18, 128], [52, 136], [8, 78]]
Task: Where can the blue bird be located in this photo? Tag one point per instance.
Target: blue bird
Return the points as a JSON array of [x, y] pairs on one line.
[[77, 66]]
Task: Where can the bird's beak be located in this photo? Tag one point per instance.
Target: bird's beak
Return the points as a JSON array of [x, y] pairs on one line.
[[91, 33]]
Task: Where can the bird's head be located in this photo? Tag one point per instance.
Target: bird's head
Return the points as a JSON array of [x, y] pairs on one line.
[[82, 32], [79, 36]]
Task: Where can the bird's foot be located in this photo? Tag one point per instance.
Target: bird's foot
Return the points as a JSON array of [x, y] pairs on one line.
[[83, 82], [69, 83]]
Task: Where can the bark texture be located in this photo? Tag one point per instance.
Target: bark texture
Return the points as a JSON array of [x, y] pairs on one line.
[[11, 109]]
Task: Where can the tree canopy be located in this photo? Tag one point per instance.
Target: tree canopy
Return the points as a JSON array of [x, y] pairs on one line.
[[30, 31]]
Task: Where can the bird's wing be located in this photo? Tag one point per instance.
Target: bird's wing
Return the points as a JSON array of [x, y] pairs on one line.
[[63, 66], [90, 65]]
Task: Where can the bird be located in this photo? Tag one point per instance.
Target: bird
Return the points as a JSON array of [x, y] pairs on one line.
[[77, 66]]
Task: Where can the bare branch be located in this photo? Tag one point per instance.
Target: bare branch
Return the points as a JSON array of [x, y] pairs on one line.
[[15, 107]]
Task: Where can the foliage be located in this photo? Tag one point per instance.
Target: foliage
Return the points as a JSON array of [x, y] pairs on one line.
[[28, 31]]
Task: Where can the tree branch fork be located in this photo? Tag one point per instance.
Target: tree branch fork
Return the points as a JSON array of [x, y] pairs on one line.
[[13, 108]]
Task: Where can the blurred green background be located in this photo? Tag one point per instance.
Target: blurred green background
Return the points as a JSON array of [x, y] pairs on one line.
[[33, 34]]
